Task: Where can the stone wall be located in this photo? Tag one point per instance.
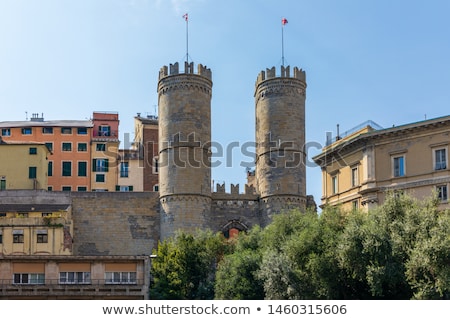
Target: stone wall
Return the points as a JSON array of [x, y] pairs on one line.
[[115, 223]]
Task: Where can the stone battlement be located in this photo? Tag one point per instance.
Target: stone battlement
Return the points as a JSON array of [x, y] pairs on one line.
[[173, 70], [285, 73], [249, 189]]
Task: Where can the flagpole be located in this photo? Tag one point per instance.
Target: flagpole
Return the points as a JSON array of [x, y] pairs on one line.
[[283, 22], [187, 38], [282, 44]]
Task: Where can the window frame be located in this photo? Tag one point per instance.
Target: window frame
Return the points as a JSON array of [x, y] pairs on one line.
[[82, 133], [6, 132], [32, 172], [63, 170], [42, 238], [74, 277], [440, 189], [354, 176], [47, 130], [29, 278], [124, 169], [66, 146], [66, 130], [26, 131], [100, 147], [442, 164], [334, 184], [401, 171], [120, 277], [85, 169], [84, 144]]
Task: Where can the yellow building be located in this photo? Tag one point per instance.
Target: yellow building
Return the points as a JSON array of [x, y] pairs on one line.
[[131, 171], [359, 168], [35, 229], [23, 166]]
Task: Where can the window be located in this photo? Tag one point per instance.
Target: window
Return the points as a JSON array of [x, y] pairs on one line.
[[82, 130], [399, 166], [3, 184], [156, 188], [1, 238], [155, 165], [47, 130], [100, 147], [355, 205], [124, 169], [82, 169], [6, 132], [66, 130], [442, 192], [67, 146], [99, 178], [17, 236], [46, 214], [104, 131], [82, 146], [355, 180], [32, 172], [74, 277], [2, 214], [29, 278], [50, 169], [100, 165], [33, 150], [440, 159], [50, 188], [124, 188], [67, 188], [27, 131], [82, 189], [66, 169], [49, 146], [42, 236], [120, 277], [334, 185]]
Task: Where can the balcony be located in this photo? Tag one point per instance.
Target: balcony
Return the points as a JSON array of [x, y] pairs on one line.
[[105, 135], [52, 289]]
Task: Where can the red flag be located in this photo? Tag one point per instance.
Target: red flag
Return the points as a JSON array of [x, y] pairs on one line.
[[284, 21], [185, 16]]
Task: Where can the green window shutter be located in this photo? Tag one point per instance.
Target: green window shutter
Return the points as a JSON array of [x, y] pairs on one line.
[[94, 165], [106, 165], [117, 188]]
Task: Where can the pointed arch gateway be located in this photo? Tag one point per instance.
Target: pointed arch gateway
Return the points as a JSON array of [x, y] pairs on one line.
[[232, 228]]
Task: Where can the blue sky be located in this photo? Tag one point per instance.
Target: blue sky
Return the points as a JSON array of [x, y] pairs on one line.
[[387, 61]]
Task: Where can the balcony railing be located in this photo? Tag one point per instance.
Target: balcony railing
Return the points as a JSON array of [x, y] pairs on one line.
[[53, 287], [105, 134]]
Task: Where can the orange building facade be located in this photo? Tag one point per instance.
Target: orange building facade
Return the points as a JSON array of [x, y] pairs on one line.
[[69, 142]]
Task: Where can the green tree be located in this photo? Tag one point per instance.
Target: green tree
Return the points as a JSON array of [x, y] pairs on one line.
[[399, 250], [236, 274], [184, 267]]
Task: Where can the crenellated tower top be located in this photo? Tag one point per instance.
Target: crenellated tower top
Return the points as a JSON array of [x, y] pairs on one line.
[[173, 70], [285, 73]]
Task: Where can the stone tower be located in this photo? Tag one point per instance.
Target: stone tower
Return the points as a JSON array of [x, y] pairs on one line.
[[184, 105], [280, 140]]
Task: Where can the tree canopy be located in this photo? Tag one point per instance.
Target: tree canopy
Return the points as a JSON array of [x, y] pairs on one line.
[[400, 250]]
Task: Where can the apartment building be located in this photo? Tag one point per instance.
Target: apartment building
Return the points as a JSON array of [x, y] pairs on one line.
[[39, 258], [23, 165], [131, 171], [146, 142], [359, 168], [69, 142], [105, 146]]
